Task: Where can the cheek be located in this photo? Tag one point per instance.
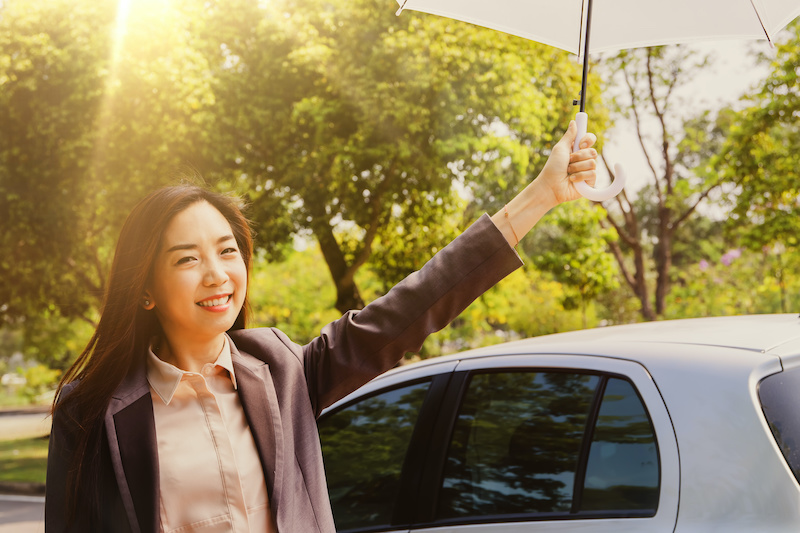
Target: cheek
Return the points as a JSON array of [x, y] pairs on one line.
[[240, 275], [172, 287]]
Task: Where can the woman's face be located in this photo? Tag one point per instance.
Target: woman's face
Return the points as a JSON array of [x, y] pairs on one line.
[[199, 277]]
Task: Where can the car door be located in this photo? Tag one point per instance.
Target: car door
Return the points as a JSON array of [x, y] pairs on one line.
[[541, 443], [374, 443]]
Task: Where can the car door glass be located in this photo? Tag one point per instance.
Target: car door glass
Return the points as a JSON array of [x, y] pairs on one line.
[[780, 395], [364, 446], [550, 445], [516, 444], [622, 473]]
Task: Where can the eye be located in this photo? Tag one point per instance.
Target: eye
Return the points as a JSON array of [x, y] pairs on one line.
[[184, 260], [230, 250]]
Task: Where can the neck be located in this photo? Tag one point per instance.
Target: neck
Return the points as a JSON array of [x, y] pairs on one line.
[[190, 357]]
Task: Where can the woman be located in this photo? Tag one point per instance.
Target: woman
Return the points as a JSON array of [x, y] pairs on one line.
[[176, 418]]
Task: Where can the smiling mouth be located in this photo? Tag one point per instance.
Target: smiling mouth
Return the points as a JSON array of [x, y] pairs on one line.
[[222, 300]]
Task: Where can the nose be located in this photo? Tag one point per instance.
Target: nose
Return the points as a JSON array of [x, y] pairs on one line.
[[215, 274]]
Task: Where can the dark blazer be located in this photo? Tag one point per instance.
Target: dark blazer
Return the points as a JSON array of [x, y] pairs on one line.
[[283, 387]]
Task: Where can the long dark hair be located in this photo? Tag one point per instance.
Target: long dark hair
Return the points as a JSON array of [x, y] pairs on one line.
[[121, 339]]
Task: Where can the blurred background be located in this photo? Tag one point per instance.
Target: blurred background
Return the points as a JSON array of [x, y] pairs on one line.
[[361, 143]]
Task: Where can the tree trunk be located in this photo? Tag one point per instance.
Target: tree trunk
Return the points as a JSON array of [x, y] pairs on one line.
[[347, 295], [663, 258]]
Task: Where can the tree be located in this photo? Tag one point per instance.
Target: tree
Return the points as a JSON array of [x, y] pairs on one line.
[[761, 154], [347, 122], [97, 108], [51, 75], [570, 247], [335, 119], [648, 227]]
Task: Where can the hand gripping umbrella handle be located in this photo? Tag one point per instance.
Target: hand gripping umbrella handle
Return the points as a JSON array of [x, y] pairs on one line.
[[596, 195]]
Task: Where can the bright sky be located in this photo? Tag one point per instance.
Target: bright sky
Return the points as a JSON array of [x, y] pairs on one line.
[[733, 72]]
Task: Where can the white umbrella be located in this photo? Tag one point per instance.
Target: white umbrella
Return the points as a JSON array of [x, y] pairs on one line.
[[581, 28]]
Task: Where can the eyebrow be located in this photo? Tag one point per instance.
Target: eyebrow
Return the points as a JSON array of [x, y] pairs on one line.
[[177, 247]]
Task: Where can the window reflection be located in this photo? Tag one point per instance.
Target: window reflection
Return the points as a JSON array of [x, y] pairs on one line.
[[516, 444], [364, 447], [518, 449], [623, 471]]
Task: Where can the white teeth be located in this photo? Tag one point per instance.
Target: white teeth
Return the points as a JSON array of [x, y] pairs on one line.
[[215, 302]]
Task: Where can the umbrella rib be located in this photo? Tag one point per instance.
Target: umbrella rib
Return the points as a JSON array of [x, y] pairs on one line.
[[761, 21], [397, 13]]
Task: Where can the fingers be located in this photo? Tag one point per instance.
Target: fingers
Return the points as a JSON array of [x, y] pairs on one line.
[[568, 138], [588, 140], [585, 155], [589, 177], [583, 165], [570, 134]]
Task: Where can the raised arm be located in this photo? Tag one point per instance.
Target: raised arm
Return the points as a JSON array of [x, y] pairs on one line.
[[553, 186]]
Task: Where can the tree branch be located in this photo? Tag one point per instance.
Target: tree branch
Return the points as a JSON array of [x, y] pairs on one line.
[[664, 134], [693, 207], [627, 237], [617, 252], [637, 122], [373, 225]]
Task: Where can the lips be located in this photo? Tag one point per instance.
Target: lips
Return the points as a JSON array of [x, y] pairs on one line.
[[215, 301]]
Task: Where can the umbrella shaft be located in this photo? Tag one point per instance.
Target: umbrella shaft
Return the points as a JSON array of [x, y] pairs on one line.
[[586, 33]]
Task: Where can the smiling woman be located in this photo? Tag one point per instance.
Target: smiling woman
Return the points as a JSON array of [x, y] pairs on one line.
[[197, 287], [176, 418], [180, 249]]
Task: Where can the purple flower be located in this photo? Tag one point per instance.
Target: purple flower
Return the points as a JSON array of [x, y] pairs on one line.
[[703, 265], [728, 257]]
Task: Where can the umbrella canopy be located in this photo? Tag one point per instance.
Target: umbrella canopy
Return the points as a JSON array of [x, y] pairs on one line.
[[586, 26], [620, 24]]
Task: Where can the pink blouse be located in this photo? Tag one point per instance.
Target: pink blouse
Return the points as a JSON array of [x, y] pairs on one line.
[[210, 474]]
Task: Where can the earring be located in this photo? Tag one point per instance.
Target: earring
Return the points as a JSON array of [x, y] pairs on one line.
[[146, 302]]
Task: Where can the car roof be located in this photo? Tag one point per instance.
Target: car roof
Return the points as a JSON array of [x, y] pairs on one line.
[[764, 336]]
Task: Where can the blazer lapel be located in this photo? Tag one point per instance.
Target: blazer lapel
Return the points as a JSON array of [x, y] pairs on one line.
[[131, 433], [260, 404]]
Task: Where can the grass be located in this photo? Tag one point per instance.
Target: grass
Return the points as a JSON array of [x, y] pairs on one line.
[[23, 460], [13, 400]]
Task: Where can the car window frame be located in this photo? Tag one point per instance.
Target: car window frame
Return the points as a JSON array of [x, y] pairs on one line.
[[423, 465], [633, 372]]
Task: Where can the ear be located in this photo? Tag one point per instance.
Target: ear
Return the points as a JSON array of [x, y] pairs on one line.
[[147, 301]]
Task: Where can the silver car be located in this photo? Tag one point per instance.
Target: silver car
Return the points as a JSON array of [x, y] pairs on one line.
[[686, 425]]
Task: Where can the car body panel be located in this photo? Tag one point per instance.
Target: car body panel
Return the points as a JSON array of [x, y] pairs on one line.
[[699, 381]]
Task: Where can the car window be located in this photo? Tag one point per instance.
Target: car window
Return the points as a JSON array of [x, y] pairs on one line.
[[780, 396], [622, 473], [520, 443], [364, 446]]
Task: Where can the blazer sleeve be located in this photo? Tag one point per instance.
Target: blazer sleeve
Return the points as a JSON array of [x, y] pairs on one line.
[[362, 344]]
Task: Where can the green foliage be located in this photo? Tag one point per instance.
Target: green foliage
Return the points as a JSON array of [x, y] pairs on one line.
[[54, 340], [294, 295], [738, 281], [651, 226], [39, 379], [335, 119], [51, 79], [96, 110], [347, 116], [762, 154], [572, 246], [527, 303]]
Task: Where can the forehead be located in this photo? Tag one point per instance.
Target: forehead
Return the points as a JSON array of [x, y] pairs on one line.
[[197, 223]]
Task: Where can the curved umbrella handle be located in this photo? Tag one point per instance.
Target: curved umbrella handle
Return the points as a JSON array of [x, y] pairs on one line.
[[596, 195]]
